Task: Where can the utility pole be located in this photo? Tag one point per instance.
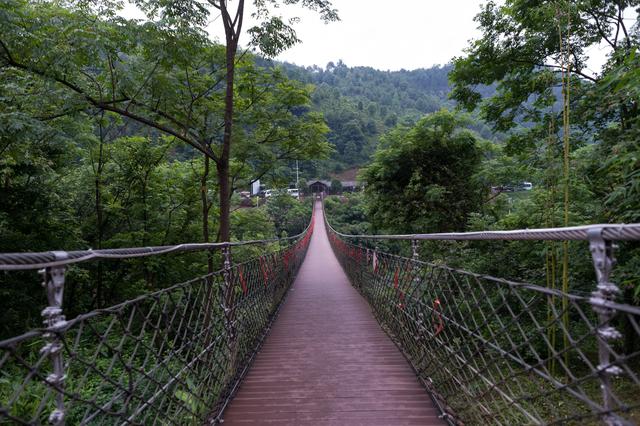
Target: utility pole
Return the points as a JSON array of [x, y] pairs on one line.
[[297, 170]]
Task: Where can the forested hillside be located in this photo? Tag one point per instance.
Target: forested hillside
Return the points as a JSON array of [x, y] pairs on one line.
[[360, 104]]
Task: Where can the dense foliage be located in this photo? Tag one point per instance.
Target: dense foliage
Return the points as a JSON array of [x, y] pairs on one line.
[[360, 104], [524, 49], [529, 50], [347, 214], [422, 178]]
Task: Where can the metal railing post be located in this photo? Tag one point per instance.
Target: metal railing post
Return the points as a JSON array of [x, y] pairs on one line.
[[228, 302], [414, 249], [53, 282], [603, 262]]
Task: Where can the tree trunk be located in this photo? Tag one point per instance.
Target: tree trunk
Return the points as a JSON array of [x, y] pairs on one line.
[[209, 294], [206, 207], [223, 164], [99, 220], [232, 29], [225, 201]]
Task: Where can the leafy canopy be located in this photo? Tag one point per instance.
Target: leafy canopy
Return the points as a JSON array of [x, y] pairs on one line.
[[422, 177]]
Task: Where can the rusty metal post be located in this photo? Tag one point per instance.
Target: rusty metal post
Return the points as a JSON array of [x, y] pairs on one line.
[[54, 320], [603, 262]]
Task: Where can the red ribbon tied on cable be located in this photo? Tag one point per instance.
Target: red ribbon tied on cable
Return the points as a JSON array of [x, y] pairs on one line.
[[243, 283], [375, 262], [265, 273], [437, 315]]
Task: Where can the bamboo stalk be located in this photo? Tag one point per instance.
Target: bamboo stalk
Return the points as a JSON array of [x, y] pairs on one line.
[[566, 91]]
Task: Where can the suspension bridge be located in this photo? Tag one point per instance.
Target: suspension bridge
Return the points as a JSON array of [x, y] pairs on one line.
[[327, 328]]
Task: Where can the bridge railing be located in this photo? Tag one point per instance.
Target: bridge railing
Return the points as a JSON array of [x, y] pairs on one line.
[[173, 356], [496, 351]]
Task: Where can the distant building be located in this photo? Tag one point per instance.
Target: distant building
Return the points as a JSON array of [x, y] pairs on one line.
[[325, 186], [255, 187], [320, 186], [349, 185]]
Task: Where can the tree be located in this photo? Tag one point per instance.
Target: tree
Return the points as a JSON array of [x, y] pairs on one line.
[[165, 75], [422, 178], [527, 50], [289, 214], [523, 51], [271, 36], [336, 186]]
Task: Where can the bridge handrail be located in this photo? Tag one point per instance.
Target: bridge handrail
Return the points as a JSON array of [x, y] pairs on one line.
[[612, 232], [39, 260]]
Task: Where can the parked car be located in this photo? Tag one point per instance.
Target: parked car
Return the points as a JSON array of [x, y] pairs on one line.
[[272, 192], [527, 186], [294, 192]]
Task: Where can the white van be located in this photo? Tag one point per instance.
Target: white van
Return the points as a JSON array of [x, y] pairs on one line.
[[527, 186], [294, 192]]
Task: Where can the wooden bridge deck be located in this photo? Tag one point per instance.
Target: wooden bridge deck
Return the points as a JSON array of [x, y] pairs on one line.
[[327, 361]]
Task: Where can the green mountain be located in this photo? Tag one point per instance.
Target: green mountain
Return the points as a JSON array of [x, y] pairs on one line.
[[362, 103]]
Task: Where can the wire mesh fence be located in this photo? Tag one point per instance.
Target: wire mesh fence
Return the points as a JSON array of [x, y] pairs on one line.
[[495, 351], [173, 356]]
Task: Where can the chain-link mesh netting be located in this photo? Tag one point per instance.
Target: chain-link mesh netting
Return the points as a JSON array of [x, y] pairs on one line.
[[170, 357], [493, 351]]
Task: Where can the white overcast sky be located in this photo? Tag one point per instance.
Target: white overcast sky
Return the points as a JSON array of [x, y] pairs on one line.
[[408, 34]]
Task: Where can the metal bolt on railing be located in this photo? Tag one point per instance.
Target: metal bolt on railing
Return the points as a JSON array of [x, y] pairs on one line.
[[374, 261]]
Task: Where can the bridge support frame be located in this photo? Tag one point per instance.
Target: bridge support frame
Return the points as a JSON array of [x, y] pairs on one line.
[[53, 279], [602, 254]]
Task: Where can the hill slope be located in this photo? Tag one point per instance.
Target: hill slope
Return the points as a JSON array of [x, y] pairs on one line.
[[361, 103]]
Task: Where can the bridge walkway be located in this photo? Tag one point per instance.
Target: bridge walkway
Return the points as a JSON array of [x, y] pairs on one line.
[[326, 360]]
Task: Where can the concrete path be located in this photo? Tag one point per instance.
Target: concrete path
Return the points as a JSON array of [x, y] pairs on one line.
[[327, 361]]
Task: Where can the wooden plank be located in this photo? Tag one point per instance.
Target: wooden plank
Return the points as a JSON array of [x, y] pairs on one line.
[[327, 361]]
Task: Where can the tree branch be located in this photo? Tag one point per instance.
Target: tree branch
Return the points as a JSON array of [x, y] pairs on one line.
[[558, 67], [110, 106], [601, 30]]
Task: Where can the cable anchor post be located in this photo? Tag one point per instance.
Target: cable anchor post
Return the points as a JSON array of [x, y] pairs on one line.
[[53, 280], [414, 249], [602, 255]]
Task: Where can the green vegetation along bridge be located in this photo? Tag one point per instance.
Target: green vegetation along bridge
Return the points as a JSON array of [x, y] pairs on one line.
[[304, 333]]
